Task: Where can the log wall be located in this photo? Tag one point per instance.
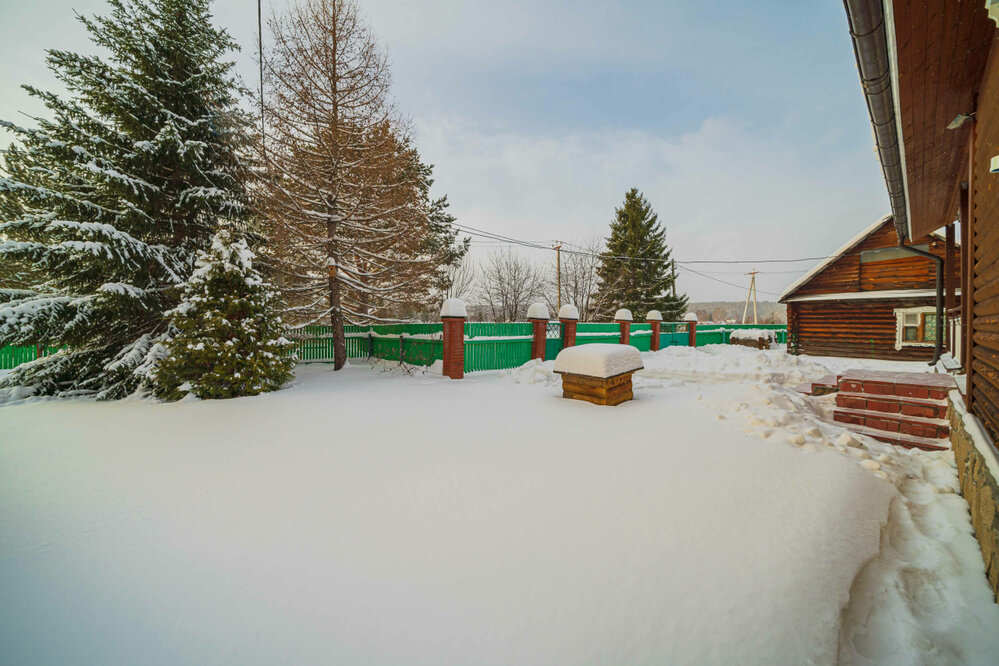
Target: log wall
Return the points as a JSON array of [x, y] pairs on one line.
[[985, 292], [848, 274], [855, 328]]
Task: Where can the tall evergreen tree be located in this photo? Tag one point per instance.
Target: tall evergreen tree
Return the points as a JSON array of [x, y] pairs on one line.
[[110, 198], [635, 272]]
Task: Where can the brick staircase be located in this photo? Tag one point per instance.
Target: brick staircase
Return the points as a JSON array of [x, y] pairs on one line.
[[904, 408]]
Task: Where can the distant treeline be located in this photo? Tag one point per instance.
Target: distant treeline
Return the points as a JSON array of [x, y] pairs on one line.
[[731, 311]]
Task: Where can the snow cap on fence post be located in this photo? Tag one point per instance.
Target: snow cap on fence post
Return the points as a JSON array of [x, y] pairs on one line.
[[453, 315], [454, 307], [537, 311], [624, 318], [568, 315], [568, 311], [537, 314], [691, 319], [655, 319]]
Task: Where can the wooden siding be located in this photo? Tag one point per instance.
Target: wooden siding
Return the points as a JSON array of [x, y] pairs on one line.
[[849, 274], [941, 48], [985, 292], [856, 329]]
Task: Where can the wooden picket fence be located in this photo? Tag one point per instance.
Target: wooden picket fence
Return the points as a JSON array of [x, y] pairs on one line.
[[488, 346]]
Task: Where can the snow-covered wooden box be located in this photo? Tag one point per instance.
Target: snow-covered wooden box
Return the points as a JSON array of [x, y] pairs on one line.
[[753, 337], [598, 373]]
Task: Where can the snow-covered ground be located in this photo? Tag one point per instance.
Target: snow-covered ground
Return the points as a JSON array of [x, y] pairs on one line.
[[371, 516]]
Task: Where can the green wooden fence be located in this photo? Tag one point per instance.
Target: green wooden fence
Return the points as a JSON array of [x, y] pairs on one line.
[[488, 346], [494, 346], [11, 357]]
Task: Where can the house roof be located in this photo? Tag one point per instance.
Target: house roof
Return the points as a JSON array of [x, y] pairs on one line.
[[849, 245], [921, 65]]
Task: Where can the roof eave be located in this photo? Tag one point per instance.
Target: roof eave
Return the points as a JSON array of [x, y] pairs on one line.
[[872, 33]]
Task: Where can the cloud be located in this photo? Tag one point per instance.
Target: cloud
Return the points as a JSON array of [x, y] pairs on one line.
[[721, 191]]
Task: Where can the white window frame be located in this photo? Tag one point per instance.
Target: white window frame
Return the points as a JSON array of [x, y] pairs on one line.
[[900, 326]]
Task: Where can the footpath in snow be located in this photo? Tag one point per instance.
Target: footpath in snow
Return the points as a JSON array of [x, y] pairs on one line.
[[372, 516]]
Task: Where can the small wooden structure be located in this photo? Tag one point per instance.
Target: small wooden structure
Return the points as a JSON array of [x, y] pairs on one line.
[[598, 373], [598, 390], [869, 300], [754, 338]]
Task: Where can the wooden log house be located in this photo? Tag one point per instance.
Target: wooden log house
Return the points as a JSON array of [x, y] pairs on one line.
[[930, 78], [871, 299]]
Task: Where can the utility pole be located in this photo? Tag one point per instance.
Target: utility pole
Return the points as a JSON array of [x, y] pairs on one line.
[[751, 294], [673, 266], [558, 274], [260, 56]]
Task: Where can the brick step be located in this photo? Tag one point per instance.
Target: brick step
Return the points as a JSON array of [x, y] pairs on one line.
[[919, 385], [899, 439], [894, 423], [805, 388], [825, 385], [893, 404]]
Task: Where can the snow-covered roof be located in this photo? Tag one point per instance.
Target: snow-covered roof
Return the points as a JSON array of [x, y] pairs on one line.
[[849, 245], [601, 360], [537, 311], [624, 314], [821, 266]]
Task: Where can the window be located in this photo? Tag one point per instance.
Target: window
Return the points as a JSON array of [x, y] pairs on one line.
[[916, 327], [889, 253]]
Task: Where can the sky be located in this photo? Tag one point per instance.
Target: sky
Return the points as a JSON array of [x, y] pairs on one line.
[[742, 123]]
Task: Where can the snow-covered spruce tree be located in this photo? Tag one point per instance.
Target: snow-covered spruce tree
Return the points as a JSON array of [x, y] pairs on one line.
[[635, 271], [228, 340], [109, 199]]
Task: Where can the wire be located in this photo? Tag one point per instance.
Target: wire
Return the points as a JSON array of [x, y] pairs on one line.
[[731, 284], [473, 231], [499, 237]]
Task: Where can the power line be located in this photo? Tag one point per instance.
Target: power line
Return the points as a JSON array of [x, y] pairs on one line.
[[507, 239], [731, 284], [473, 231]]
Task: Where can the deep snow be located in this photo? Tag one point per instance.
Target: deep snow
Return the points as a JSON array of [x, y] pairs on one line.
[[373, 516]]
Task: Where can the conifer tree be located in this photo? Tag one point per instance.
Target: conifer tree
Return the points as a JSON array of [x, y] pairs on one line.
[[228, 342], [109, 199], [635, 271], [353, 233]]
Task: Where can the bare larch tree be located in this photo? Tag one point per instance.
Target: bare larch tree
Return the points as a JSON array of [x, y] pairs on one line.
[[344, 198]]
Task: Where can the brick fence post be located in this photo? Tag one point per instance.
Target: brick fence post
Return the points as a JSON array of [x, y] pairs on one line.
[[691, 320], [568, 315], [537, 314], [453, 316], [655, 319], [624, 318]]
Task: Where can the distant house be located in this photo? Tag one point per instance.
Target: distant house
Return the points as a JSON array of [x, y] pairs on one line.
[[871, 299]]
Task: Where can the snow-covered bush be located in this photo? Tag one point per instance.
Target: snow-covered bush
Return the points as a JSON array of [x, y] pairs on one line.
[[228, 342]]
